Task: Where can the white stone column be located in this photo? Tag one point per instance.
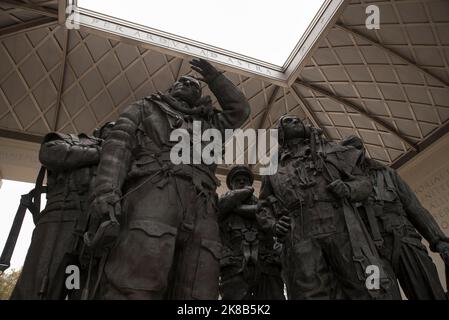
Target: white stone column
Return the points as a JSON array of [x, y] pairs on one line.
[[19, 160], [428, 176]]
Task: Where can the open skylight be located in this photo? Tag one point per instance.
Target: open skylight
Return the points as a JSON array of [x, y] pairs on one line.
[[255, 36], [265, 30]]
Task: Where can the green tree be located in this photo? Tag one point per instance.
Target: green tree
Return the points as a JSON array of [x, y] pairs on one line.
[[8, 280]]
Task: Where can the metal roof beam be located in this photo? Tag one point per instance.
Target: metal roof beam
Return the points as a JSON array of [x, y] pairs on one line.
[[269, 106], [359, 110], [10, 134], [61, 79], [32, 7], [422, 145], [15, 29], [392, 53], [304, 105]]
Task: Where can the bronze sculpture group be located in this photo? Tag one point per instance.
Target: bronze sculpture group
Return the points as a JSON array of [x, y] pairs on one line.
[[140, 227]]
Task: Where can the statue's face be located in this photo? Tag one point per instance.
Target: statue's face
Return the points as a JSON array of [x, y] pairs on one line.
[[240, 181], [293, 127], [186, 90]]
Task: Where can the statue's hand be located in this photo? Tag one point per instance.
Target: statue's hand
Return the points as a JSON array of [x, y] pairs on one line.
[[204, 68], [282, 227], [340, 189], [244, 193], [237, 196], [103, 226], [106, 204], [442, 248], [205, 101]]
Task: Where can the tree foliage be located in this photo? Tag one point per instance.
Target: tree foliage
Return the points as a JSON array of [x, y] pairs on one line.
[[8, 280]]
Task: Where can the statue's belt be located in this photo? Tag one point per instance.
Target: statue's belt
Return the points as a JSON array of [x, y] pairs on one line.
[[201, 175], [299, 206]]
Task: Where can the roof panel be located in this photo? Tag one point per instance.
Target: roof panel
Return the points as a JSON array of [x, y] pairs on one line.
[[103, 76]]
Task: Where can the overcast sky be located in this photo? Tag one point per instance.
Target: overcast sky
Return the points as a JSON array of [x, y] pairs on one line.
[[10, 192], [263, 29]]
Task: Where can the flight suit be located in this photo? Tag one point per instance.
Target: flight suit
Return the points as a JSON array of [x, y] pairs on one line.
[[250, 267], [169, 245], [399, 221], [71, 162], [320, 260]]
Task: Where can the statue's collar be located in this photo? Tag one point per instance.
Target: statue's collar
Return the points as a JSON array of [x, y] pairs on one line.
[[295, 148], [201, 111]]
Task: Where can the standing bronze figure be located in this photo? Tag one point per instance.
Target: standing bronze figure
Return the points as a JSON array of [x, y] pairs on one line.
[[250, 267], [397, 222], [327, 249], [71, 161], [168, 246]]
